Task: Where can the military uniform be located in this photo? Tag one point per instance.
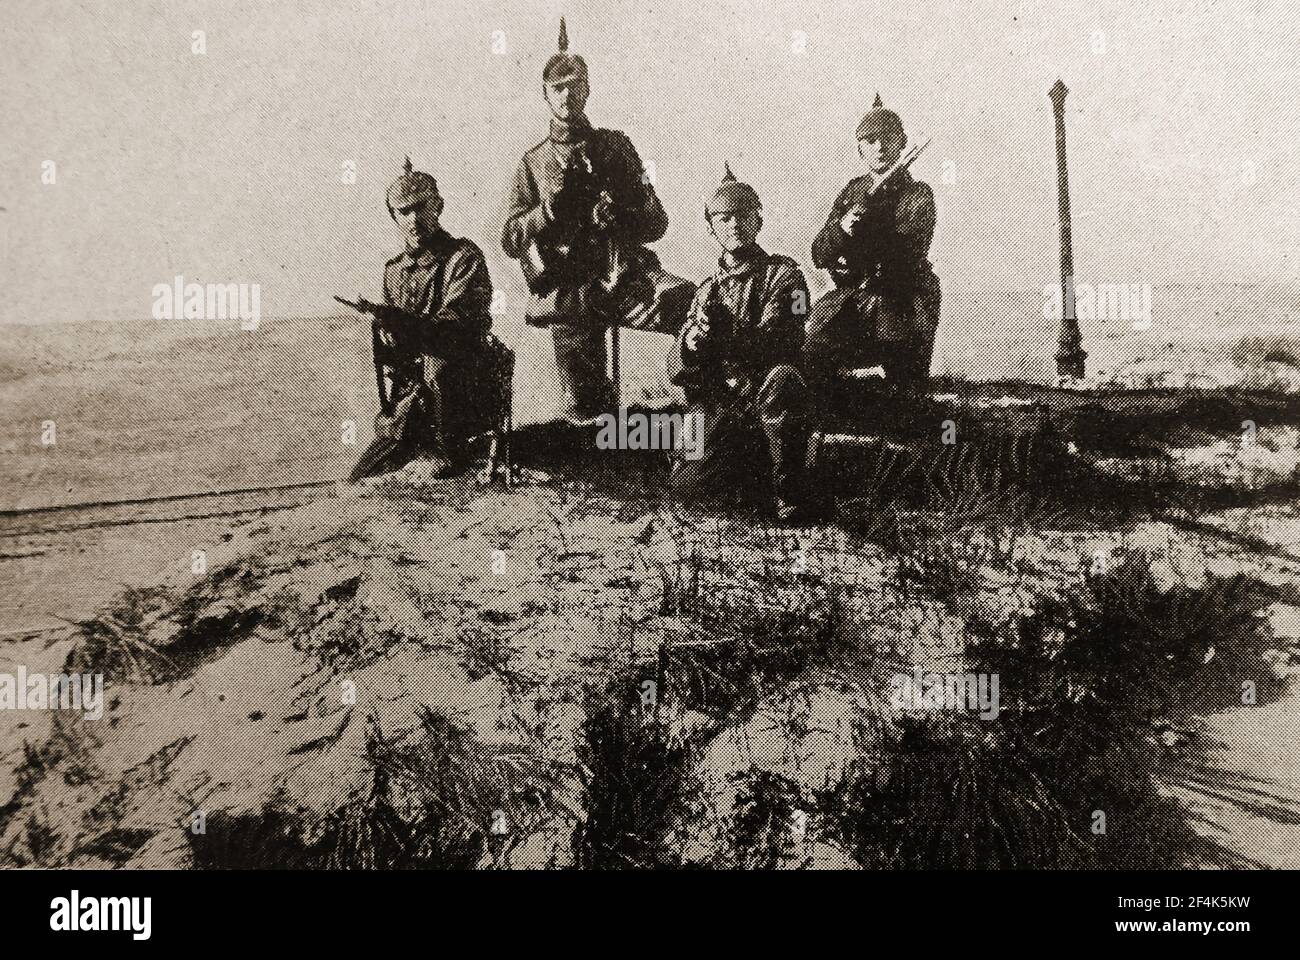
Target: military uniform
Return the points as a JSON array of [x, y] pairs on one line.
[[885, 309], [742, 380], [434, 351], [445, 286], [550, 205]]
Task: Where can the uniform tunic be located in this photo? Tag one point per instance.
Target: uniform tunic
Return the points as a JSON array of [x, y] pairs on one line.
[[446, 287], [571, 249], [746, 387], [885, 281]]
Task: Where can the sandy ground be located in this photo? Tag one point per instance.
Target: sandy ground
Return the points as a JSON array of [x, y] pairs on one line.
[[497, 607], [398, 588]]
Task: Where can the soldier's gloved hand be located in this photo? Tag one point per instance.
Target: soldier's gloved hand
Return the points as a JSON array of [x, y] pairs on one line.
[[696, 335], [572, 203], [392, 322], [852, 220], [867, 214], [719, 319], [602, 214], [711, 331]]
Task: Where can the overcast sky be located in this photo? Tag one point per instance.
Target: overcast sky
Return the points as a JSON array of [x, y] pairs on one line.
[[1182, 120]]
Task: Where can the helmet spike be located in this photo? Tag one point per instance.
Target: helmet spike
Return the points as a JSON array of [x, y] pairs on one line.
[[879, 122], [732, 196], [410, 186], [564, 37]]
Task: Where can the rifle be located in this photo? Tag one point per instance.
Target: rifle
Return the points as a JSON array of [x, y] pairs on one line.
[[385, 352], [842, 275], [904, 161], [573, 206]]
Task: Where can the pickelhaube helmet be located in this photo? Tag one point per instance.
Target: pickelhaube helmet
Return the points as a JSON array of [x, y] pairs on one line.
[[564, 65], [732, 196], [411, 187], [879, 122]]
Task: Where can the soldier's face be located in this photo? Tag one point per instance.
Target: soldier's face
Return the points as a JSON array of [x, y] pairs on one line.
[[735, 231], [881, 153], [567, 98], [418, 221]]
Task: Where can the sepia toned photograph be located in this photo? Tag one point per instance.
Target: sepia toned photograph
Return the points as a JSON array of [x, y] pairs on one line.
[[571, 435]]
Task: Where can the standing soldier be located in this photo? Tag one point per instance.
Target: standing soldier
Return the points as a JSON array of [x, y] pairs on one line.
[[432, 338], [736, 361], [875, 244], [577, 197]]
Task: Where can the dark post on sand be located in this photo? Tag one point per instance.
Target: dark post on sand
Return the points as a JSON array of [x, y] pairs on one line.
[[1069, 351]]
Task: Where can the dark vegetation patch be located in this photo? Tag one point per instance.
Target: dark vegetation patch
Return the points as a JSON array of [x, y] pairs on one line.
[[1083, 682], [152, 635], [438, 800], [635, 780]]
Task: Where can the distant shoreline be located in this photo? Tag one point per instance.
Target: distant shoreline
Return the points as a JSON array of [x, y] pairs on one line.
[[952, 290]]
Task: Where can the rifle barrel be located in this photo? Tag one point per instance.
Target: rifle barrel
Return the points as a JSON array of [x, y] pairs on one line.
[[904, 160]]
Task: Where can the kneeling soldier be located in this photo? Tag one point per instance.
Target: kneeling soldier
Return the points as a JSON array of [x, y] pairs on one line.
[[736, 359], [432, 338]]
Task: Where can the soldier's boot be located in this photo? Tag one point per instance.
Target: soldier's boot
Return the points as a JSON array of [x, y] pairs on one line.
[[783, 409], [395, 442], [580, 357], [433, 411]]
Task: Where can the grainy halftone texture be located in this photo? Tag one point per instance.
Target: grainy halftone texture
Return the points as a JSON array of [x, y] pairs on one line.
[[1032, 623]]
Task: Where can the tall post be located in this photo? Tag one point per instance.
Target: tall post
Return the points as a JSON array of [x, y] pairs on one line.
[[1069, 351]]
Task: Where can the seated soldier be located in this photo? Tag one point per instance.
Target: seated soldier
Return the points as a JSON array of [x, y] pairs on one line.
[[885, 308], [432, 331], [736, 358]]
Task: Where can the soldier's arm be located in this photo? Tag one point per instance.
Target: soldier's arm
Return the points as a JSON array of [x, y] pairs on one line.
[[641, 217], [525, 215], [780, 332], [390, 316], [388, 293], [467, 296], [832, 242], [914, 223], [683, 362]]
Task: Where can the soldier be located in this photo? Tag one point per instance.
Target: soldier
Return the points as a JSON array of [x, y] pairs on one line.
[[886, 307], [577, 196], [736, 359], [433, 327]]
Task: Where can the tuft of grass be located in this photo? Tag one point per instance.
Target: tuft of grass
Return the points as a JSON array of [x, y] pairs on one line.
[[42, 841], [958, 798], [1120, 651], [115, 642], [1082, 679], [762, 828], [269, 839], [635, 779], [442, 801]]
